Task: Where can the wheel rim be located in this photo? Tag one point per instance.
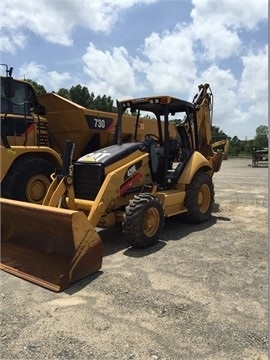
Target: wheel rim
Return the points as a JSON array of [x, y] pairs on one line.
[[151, 222], [36, 188], [204, 198]]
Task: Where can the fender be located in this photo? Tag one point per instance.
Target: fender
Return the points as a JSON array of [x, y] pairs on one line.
[[19, 153], [196, 162]]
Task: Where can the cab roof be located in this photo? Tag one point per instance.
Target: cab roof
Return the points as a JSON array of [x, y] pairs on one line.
[[157, 104]]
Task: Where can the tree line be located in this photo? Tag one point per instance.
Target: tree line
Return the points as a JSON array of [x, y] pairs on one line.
[[81, 95], [243, 148]]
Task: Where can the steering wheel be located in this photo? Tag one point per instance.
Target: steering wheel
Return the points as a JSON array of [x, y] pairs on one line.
[[153, 137]]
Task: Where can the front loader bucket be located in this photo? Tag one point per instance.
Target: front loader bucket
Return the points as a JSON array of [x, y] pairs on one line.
[[48, 246]]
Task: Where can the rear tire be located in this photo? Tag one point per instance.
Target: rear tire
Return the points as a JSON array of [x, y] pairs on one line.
[[199, 199], [143, 221], [28, 180]]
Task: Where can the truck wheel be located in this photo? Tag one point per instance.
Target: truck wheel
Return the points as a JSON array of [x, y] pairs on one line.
[[199, 199], [143, 221], [28, 180]]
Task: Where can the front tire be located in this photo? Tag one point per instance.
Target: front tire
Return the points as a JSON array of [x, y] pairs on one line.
[[143, 221], [199, 199], [28, 180]]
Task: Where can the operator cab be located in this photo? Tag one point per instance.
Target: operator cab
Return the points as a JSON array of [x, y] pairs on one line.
[[19, 107], [168, 152]]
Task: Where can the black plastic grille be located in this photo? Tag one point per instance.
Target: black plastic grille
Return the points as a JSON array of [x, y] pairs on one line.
[[88, 179]]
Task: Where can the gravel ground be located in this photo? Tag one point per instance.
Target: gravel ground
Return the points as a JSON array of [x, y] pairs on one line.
[[200, 293]]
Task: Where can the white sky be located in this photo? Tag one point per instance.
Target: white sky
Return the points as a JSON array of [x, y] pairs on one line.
[[133, 48]]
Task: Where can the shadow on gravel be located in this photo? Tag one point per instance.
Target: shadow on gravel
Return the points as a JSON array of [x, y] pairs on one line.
[[174, 229], [80, 284], [138, 253], [113, 240], [216, 209]]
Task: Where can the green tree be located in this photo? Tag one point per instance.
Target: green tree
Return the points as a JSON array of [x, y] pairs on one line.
[[249, 145], [92, 101], [80, 95], [261, 138], [235, 146], [103, 103], [39, 89], [218, 134], [64, 93]]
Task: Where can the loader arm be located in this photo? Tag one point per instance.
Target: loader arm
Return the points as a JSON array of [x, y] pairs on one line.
[[113, 187]]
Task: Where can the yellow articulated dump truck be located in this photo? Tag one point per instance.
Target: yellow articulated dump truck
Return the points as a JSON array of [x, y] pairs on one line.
[[34, 130], [139, 184]]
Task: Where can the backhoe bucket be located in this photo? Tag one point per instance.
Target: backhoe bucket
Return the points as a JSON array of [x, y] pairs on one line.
[[48, 246]]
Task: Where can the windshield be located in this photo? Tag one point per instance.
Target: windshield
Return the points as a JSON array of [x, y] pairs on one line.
[[24, 98]]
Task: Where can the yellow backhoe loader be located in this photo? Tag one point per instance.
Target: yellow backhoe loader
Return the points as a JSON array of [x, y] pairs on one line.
[[138, 184]]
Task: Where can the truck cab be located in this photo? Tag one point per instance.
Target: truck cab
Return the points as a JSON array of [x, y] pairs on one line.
[[21, 115]]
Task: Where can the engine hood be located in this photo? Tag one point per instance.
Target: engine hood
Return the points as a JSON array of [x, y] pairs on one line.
[[111, 154]]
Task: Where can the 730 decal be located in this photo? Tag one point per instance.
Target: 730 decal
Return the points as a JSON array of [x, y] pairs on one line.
[[99, 123]]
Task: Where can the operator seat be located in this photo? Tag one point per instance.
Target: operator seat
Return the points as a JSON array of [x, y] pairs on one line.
[[185, 143]]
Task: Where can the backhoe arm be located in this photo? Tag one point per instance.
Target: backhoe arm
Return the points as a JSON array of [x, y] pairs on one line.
[[203, 102]]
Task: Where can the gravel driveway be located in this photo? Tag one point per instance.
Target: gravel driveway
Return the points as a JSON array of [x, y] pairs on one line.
[[200, 293]]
